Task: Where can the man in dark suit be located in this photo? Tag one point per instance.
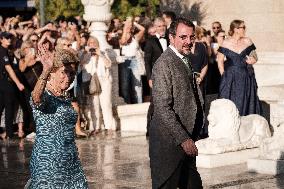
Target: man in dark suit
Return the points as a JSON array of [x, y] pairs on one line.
[[154, 47], [178, 115]]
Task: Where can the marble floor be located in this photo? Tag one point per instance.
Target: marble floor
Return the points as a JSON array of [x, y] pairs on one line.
[[120, 161]]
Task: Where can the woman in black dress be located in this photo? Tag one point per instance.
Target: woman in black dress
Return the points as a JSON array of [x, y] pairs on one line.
[[199, 61], [199, 57], [238, 81]]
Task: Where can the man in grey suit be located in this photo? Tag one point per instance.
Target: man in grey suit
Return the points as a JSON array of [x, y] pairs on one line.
[[178, 115]]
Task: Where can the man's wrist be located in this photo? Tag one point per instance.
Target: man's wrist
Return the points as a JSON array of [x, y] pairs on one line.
[[188, 139]]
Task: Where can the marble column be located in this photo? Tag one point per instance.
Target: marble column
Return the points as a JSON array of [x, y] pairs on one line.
[[98, 13]]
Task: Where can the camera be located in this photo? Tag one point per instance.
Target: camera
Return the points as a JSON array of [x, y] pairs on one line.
[[92, 51]]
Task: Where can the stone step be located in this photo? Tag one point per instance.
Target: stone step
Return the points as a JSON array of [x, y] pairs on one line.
[[229, 158], [266, 166], [269, 74], [270, 58], [271, 54], [271, 93]]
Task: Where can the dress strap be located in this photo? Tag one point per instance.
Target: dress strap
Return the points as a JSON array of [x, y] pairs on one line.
[[222, 50]]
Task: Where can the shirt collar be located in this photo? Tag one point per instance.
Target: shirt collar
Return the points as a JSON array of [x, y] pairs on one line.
[[176, 52], [159, 36]]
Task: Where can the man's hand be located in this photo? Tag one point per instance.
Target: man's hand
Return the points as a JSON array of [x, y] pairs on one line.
[[150, 82], [199, 80], [189, 147]]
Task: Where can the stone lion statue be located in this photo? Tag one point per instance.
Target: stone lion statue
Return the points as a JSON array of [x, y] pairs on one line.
[[228, 131]]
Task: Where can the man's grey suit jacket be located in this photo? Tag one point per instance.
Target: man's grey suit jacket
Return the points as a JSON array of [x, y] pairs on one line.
[[174, 115]]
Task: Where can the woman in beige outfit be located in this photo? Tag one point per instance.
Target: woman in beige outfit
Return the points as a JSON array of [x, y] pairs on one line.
[[98, 107]]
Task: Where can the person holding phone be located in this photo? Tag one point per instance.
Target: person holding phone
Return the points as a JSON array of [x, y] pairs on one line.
[[97, 108], [238, 82]]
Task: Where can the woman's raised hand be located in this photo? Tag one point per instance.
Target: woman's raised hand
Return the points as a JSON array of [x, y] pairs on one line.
[[46, 56]]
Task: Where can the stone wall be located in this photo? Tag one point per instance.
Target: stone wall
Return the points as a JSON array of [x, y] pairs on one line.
[[263, 18]]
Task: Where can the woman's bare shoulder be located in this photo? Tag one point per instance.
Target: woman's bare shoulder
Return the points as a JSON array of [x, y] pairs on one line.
[[247, 41], [226, 43]]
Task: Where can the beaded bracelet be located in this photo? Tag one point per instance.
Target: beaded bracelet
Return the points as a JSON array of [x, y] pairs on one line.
[[42, 78]]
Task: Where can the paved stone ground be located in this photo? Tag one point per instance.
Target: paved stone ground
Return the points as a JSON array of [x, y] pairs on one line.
[[120, 161]]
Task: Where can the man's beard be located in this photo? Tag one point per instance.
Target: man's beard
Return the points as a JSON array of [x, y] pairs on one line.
[[189, 51]]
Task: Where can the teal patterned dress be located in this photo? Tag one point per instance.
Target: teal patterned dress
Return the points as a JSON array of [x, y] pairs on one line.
[[54, 162]]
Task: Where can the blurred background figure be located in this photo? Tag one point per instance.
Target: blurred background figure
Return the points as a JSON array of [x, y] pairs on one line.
[[169, 17], [216, 27], [97, 107], [65, 43], [114, 33], [130, 78], [154, 47]]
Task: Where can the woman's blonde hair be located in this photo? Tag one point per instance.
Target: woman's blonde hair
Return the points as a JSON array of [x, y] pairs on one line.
[[234, 24], [199, 32], [95, 39], [25, 44], [60, 42]]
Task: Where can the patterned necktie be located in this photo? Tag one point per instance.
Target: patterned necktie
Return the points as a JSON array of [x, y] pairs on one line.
[[189, 66], [187, 63]]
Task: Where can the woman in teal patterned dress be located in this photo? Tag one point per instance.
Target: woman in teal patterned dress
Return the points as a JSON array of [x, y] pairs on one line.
[[54, 162]]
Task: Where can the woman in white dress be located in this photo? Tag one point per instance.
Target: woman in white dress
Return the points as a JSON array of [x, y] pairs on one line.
[[98, 106]]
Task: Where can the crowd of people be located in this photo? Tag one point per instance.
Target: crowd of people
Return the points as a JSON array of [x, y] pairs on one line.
[[56, 80]]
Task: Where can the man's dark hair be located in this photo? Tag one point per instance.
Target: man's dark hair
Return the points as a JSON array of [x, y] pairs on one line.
[[60, 18], [170, 14], [181, 20], [72, 20]]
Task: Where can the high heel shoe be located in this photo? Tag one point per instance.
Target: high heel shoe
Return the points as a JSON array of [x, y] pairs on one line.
[[81, 135]]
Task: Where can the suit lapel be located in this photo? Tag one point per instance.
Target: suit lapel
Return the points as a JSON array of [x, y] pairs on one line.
[[177, 59], [158, 43]]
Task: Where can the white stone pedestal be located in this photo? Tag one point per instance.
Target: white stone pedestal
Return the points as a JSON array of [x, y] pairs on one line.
[[133, 117], [266, 166], [231, 158]]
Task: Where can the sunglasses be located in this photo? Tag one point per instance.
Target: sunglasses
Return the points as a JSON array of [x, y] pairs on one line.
[[244, 27], [68, 45], [34, 40], [218, 27]]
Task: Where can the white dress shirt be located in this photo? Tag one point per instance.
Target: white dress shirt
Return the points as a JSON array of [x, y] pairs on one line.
[[163, 42]]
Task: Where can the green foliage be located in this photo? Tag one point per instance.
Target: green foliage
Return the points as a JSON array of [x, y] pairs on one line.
[[124, 8], [67, 8], [120, 8]]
